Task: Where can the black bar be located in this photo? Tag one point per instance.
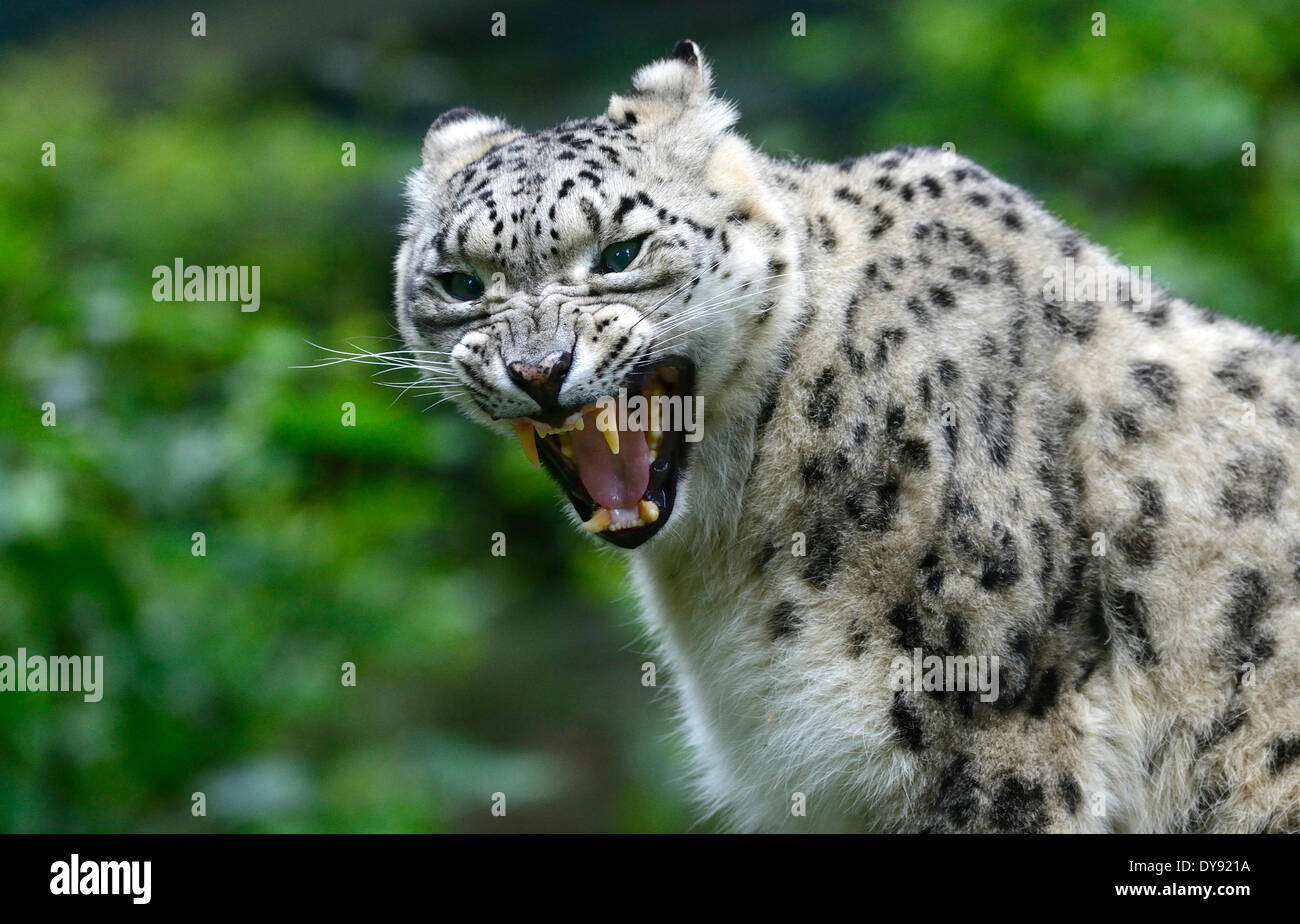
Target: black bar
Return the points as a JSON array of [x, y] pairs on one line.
[[548, 873]]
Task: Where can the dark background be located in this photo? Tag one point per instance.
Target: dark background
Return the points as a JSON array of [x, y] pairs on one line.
[[370, 544]]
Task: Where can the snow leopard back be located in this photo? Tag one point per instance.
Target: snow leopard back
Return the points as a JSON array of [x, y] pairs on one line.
[[955, 458]]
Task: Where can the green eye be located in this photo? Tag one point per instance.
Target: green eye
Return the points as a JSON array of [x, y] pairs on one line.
[[619, 256], [461, 286]]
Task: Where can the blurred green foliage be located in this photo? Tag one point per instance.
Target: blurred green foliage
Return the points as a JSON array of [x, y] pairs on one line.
[[370, 544]]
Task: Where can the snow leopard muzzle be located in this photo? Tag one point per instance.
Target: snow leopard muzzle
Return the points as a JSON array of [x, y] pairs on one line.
[[619, 458]]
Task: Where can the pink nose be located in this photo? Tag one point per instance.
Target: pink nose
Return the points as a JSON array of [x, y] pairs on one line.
[[542, 380]]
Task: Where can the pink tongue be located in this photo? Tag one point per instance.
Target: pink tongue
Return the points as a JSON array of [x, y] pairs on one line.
[[613, 481]]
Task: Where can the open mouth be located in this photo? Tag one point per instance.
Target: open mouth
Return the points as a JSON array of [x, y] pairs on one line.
[[618, 459]]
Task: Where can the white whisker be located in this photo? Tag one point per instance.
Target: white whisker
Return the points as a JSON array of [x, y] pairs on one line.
[[708, 311], [720, 300]]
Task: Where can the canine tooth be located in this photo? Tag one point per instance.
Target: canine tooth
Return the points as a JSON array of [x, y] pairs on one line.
[[528, 439], [649, 510], [611, 436], [599, 521]]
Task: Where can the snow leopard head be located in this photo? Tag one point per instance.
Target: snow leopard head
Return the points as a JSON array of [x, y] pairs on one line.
[[545, 274]]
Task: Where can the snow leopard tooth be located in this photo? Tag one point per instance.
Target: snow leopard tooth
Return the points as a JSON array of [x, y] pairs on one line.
[[599, 521], [610, 434], [527, 434]]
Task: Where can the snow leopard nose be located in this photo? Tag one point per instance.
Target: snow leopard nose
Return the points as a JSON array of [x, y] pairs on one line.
[[542, 380]]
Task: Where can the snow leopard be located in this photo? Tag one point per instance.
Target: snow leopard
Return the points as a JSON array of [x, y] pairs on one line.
[[972, 537]]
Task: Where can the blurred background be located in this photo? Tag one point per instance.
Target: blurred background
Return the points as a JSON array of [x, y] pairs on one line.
[[370, 544]]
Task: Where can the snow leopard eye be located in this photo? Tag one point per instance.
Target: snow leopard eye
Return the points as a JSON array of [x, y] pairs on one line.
[[619, 256], [463, 287]]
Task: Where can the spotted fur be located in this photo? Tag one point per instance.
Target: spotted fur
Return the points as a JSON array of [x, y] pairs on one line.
[[909, 443]]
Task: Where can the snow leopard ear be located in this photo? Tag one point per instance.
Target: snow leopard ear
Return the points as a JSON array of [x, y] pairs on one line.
[[674, 90], [459, 137]]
